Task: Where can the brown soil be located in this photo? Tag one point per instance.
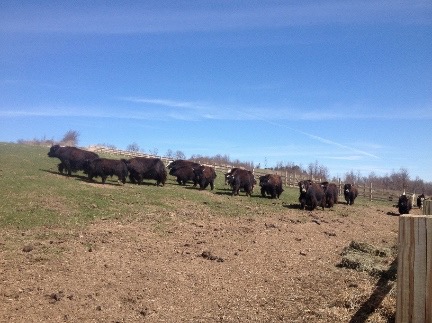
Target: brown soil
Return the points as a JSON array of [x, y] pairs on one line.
[[199, 268]]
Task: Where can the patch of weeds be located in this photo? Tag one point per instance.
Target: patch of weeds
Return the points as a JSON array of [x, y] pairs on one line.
[[362, 256]]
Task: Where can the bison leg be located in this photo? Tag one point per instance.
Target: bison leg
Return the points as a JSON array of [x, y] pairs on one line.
[[68, 167]]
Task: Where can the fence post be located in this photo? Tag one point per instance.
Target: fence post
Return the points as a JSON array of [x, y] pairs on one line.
[[414, 276], [370, 192]]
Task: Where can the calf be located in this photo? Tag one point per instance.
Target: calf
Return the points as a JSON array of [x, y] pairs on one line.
[[141, 168], [271, 184], [205, 175], [72, 158], [350, 193], [105, 167]]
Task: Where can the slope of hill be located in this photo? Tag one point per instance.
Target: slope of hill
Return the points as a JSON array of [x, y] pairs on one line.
[[74, 251]]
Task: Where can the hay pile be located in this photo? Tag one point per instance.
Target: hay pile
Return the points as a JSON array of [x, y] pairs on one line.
[[377, 261]]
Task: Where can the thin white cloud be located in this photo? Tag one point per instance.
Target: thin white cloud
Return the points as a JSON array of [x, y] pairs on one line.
[[163, 102], [349, 157], [142, 17]]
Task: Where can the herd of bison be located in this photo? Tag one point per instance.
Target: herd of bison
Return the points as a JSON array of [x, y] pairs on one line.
[[312, 195]]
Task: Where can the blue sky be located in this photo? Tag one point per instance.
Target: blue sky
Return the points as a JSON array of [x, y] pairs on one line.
[[345, 83]]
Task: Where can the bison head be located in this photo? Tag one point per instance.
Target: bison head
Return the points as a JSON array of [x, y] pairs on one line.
[[53, 151]]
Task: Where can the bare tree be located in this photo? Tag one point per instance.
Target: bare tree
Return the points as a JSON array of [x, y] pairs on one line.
[[317, 171], [70, 138], [179, 155], [133, 147], [154, 151], [169, 154]]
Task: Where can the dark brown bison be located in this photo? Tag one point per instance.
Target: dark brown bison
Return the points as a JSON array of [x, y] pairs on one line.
[[420, 200], [104, 167], [303, 186], [205, 175], [404, 204], [181, 163], [184, 174], [141, 168], [315, 196], [271, 184], [228, 175], [72, 158], [331, 193], [184, 171], [350, 193], [241, 179]]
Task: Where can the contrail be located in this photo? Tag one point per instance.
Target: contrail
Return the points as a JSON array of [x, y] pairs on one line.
[[314, 137]]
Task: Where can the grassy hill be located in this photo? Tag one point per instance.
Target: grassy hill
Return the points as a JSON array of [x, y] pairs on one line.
[[35, 194], [79, 251]]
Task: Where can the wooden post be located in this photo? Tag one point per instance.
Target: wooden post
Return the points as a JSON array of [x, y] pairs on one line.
[[414, 278], [427, 207], [370, 192]]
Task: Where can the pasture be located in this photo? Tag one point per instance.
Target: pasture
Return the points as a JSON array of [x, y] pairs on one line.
[[75, 251]]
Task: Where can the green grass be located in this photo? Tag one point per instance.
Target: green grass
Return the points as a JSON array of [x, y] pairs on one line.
[[34, 194]]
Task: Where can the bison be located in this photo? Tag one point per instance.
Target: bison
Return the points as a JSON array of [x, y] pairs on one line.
[[105, 167], [350, 193], [404, 204], [146, 168], [420, 200], [271, 184], [72, 158], [184, 174], [315, 196], [331, 193], [241, 179], [181, 163], [205, 175], [303, 186], [228, 175], [184, 171]]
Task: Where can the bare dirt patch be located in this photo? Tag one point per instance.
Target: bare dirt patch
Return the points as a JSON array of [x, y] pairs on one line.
[[178, 267]]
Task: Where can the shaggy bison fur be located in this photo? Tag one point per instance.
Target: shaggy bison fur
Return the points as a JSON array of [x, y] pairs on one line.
[[72, 158], [141, 168], [271, 184]]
